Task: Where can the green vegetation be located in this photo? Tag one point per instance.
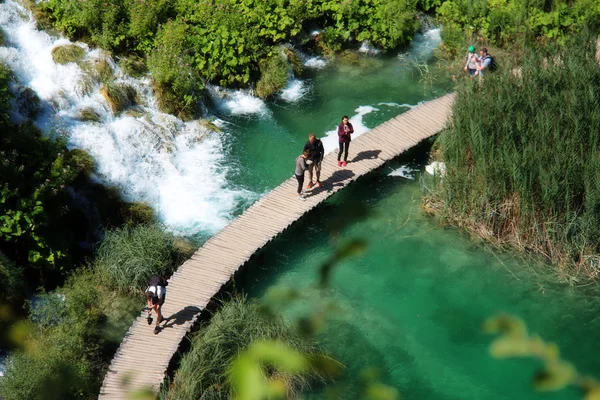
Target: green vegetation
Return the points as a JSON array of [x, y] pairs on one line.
[[12, 280], [67, 53], [273, 75], [522, 158], [130, 256], [555, 374], [237, 327], [512, 23], [118, 96], [89, 115]]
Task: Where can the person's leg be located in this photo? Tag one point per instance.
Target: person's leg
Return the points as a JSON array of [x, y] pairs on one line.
[[300, 179], [346, 147], [159, 317], [341, 149], [310, 175], [318, 171]]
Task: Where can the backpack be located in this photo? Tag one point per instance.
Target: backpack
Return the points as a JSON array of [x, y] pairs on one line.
[[493, 66]]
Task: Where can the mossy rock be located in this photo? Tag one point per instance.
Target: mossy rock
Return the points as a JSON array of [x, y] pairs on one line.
[[89, 115], [103, 71], [273, 76], [67, 53], [118, 96], [184, 247], [2, 37], [349, 57], [137, 213], [294, 60], [168, 102], [28, 103], [135, 112], [83, 161], [134, 66], [209, 125]]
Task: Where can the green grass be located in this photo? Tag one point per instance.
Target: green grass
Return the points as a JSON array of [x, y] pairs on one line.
[[67, 53], [523, 157], [273, 76], [239, 323]]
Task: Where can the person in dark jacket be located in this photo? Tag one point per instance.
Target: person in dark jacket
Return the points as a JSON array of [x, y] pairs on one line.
[[317, 152], [155, 296], [345, 130]]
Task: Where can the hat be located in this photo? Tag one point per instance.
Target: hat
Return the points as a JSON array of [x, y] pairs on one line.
[[471, 49]]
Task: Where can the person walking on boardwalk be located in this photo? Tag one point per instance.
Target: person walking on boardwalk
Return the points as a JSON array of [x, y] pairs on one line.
[[301, 166], [317, 152], [472, 62], [155, 296], [345, 130]]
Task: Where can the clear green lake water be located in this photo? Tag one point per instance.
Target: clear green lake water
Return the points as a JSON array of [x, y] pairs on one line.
[[413, 304]]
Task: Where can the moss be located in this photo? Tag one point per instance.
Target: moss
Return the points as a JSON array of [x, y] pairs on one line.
[[209, 125], [103, 71], [273, 76], [83, 161], [348, 57], [294, 60], [89, 115], [133, 65], [28, 103], [137, 213], [185, 248], [134, 112], [118, 96], [169, 103], [67, 53], [2, 37]]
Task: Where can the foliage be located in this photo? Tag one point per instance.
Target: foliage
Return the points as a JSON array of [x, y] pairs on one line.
[[67, 53], [131, 255], [555, 374], [89, 115], [118, 96], [522, 158], [273, 75], [133, 65], [2, 37], [514, 23], [11, 277], [239, 327], [61, 355]]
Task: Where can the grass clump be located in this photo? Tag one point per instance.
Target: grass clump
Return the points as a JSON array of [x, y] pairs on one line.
[[204, 370], [523, 158], [89, 115], [294, 60], [273, 76], [83, 161], [137, 213], [118, 97], [67, 53], [129, 256], [134, 66]]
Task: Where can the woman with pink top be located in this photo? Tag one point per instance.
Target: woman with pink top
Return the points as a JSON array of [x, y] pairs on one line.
[[345, 130]]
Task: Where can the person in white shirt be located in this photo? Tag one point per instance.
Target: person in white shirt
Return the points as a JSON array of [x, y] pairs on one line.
[[155, 296]]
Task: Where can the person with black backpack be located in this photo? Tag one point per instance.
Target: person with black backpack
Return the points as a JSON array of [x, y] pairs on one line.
[[155, 296], [487, 62]]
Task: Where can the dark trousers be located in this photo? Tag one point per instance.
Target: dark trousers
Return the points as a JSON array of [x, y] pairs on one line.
[[300, 179], [344, 146]]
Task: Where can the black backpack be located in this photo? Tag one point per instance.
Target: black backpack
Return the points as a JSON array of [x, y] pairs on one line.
[[493, 66]]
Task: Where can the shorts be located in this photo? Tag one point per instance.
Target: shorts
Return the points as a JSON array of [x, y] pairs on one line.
[[316, 166], [160, 301], [472, 71]]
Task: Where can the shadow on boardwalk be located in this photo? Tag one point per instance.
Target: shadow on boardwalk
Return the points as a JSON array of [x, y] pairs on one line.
[[336, 179], [180, 317], [366, 155]]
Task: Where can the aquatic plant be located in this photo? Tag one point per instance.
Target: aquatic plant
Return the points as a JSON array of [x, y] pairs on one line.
[[273, 75], [137, 213], [118, 96], [67, 53], [522, 158], [89, 115], [239, 327]]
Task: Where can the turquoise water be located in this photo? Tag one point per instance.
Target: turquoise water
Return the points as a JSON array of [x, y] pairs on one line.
[[413, 304]]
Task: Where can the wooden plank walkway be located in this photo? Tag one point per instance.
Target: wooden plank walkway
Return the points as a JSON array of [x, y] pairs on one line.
[[142, 359]]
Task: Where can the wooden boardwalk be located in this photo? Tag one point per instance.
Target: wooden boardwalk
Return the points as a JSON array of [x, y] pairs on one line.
[[142, 359]]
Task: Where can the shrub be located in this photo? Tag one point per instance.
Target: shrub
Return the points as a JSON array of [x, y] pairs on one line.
[[294, 60], [203, 372], [133, 65], [522, 156], [273, 75], [82, 160], [11, 277], [67, 53], [131, 255]]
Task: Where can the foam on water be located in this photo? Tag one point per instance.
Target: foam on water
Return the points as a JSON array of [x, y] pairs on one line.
[[237, 102], [330, 141], [404, 172], [423, 44], [294, 90], [176, 167], [367, 48]]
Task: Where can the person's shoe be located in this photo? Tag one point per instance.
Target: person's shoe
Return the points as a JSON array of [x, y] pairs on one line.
[[156, 330], [319, 184], [310, 184], [344, 164], [301, 198], [339, 163]]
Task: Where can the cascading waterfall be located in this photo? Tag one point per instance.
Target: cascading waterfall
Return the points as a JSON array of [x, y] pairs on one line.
[[177, 167]]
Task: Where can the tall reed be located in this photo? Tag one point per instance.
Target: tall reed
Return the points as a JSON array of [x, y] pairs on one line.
[[523, 157]]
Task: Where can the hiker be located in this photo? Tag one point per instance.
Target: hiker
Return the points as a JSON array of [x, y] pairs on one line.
[[317, 152], [155, 296], [301, 166], [345, 129], [472, 62], [486, 63]]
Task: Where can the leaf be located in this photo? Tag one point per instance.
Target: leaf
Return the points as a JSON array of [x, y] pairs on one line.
[[555, 376]]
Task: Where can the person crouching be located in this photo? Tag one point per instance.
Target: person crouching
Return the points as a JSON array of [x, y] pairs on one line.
[[155, 297]]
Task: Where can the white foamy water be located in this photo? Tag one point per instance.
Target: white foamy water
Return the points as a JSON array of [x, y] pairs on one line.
[[237, 102], [315, 63], [176, 167], [330, 141], [367, 48], [294, 90], [423, 44], [404, 172]]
